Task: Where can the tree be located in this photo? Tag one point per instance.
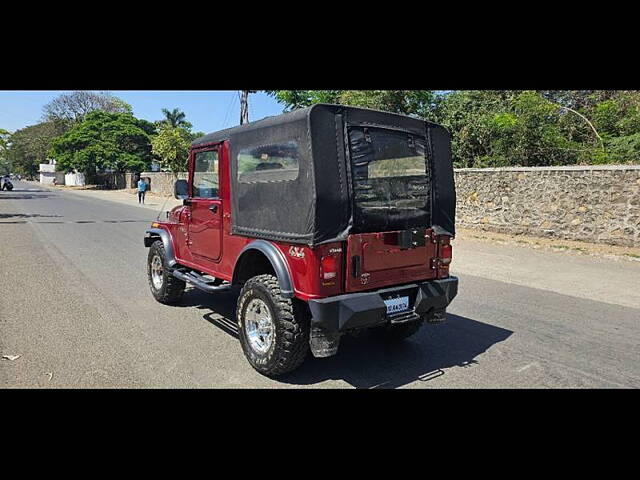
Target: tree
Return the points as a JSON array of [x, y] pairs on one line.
[[175, 118], [513, 128], [407, 102], [105, 141], [28, 146], [70, 108], [171, 146], [508, 127], [5, 164]]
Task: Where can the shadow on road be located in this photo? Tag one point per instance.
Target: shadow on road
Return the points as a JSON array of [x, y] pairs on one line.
[[27, 215], [16, 195], [368, 362]]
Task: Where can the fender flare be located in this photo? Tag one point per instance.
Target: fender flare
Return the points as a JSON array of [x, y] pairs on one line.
[[277, 260], [154, 233]]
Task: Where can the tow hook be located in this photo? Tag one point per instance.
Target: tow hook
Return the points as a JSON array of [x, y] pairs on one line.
[[437, 316], [323, 344]]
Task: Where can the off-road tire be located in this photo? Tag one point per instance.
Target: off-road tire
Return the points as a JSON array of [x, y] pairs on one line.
[[172, 288], [292, 322], [397, 333]]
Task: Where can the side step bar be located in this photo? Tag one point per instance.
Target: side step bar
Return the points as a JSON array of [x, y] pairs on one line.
[[199, 281]]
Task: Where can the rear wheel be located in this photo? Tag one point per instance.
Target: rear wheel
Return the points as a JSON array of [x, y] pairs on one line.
[[165, 288], [274, 330]]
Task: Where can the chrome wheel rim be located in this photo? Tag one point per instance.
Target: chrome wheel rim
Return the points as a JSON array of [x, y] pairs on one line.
[[259, 326], [157, 277]]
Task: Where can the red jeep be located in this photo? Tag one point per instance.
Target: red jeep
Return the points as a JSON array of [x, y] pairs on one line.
[[329, 219]]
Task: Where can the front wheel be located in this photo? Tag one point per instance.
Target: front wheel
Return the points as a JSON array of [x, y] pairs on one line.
[[165, 288], [274, 330]]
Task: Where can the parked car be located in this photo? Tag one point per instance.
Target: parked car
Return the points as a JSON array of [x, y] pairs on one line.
[[328, 220]]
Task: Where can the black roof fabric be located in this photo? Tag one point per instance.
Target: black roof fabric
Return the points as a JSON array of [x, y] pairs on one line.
[[267, 122], [317, 206]]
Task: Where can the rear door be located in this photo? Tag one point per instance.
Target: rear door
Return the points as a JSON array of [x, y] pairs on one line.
[[205, 223], [391, 199], [376, 260]]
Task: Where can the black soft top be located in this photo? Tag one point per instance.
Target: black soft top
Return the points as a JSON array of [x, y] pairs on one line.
[[314, 204]]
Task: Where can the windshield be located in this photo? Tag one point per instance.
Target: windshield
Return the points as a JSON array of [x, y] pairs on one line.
[[390, 179]]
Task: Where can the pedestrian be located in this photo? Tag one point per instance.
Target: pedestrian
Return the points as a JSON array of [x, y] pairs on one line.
[[142, 188]]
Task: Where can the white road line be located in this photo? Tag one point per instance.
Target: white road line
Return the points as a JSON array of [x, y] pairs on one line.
[[527, 366]]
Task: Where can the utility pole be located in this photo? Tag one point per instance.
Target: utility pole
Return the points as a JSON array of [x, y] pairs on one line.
[[244, 105]]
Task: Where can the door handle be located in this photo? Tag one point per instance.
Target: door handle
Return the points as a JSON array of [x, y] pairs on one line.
[[214, 208]]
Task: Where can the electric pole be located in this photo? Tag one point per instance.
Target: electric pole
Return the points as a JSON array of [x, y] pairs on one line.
[[244, 105]]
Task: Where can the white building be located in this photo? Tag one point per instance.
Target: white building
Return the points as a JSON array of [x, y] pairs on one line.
[[48, 174]]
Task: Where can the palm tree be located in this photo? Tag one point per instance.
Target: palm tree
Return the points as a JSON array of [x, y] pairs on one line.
[[175, 118]]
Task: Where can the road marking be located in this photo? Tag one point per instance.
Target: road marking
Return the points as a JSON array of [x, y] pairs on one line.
[[528, 366], [74, 221]]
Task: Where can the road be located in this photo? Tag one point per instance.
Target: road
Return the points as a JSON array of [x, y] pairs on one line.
[[75, 306]]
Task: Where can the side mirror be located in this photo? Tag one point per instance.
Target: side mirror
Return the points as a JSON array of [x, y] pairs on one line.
[[181, 189]]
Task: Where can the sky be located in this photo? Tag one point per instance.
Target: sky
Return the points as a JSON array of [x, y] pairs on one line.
[[208, 111]]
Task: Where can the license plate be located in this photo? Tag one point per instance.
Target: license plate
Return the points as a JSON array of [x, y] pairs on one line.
[[397, 305]]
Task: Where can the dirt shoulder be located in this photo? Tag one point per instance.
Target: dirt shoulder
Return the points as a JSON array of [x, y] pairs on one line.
[[551, 244]]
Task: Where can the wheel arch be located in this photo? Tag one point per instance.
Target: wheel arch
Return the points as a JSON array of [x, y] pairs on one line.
[[269, 254], [154, 234]]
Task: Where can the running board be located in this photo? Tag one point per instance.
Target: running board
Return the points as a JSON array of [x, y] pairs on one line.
[[199, 282]]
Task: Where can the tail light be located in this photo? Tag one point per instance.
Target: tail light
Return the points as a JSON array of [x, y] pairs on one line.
[[443, 259], [445, 254], [328, 267]]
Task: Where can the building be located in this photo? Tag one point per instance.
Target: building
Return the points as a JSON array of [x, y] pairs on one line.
[[48, 174]]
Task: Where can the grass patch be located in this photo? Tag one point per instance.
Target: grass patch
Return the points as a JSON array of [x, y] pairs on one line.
[[560, 247], [632, 255]]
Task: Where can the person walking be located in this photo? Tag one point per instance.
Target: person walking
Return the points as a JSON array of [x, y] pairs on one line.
[[142, 188]]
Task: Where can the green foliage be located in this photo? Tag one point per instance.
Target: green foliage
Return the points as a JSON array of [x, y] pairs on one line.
[[175, 118], [195, 135], [294, 99], [408, 102], [510, 128], [171, 147], [114, 141], [493, 128], [625, 149], [28, 147], [5, 164]]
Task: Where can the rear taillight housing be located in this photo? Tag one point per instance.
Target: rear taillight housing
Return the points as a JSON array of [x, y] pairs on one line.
[[445, 252], [328, 268]]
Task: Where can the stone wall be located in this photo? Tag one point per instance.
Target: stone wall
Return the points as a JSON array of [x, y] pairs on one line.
[[596, 204], [162, 182]]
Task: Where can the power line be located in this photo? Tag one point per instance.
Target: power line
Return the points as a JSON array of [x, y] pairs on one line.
[[229, 108]]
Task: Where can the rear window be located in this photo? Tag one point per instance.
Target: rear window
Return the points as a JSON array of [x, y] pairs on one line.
[[390, 179], [269, 163], [389, 168]]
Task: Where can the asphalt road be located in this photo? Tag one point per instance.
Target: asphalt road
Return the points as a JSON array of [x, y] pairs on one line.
[[75, 305]]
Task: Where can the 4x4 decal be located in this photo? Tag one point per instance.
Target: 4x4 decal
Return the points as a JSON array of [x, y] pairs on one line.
[[297, 252]]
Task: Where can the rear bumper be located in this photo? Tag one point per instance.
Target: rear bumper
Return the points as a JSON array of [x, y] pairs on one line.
[[367, 309]]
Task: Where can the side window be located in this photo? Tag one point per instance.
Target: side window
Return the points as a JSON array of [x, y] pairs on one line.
[[268, 163], [205, 175]]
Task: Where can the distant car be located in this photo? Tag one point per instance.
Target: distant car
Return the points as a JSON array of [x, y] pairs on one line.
[[330, 220]]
